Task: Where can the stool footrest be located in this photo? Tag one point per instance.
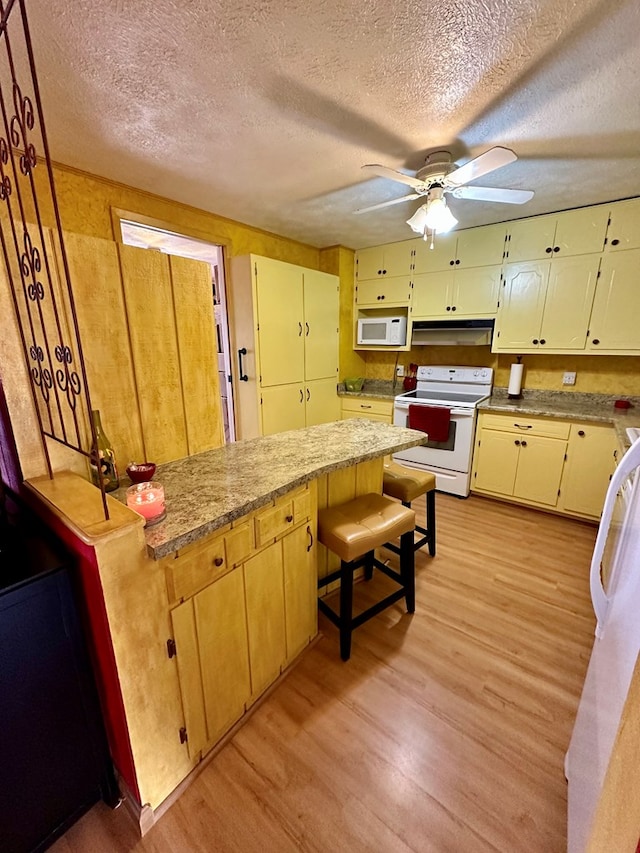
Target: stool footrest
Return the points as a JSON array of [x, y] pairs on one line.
[[426, 538]]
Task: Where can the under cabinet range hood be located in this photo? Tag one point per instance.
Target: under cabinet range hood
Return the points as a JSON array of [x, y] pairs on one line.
[[452, 333]]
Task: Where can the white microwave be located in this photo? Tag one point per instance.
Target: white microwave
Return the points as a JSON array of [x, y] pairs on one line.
[[382, 331]]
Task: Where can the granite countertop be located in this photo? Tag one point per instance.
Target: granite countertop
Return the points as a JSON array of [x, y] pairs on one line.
[[574, 405], [374, 389], [206, 491]]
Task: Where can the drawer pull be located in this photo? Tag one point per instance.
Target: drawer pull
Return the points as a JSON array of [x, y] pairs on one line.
[[615, 242], [363, 406], [580, 432], [289, 518], [310, 545], [524, 426], [218, 561]]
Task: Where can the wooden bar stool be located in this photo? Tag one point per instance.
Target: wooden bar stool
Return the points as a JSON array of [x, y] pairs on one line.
[[407, 484], [353, 531]]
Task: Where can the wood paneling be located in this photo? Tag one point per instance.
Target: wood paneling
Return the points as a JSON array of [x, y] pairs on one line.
[[154, 346], [197, 346], [97, 286]]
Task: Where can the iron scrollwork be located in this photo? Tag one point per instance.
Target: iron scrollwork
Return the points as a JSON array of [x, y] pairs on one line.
[[68, 380], [31, 268], [22, 122]]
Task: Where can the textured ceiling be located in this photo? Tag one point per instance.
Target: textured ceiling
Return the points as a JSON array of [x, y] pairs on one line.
[[265, 111]]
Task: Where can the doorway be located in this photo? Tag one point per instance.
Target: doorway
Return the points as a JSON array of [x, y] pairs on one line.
[[148, 237]]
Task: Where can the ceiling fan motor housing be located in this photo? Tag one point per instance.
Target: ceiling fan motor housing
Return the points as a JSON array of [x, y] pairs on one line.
[[437, 166]]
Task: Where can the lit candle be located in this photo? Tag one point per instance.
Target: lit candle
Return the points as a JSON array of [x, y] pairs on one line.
[[147, 499]]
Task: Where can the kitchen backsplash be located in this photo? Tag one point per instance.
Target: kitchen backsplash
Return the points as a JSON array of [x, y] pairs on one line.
[[594, 374]]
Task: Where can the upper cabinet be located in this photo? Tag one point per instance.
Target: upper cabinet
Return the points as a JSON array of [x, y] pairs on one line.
[[474, 247], [624, 226], [392, 259], [573, 232], [614, 326], [469, 294]]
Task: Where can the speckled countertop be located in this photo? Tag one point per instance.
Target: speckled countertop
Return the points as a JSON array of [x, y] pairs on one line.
[[569, 405], [375, 389], [206, 491]]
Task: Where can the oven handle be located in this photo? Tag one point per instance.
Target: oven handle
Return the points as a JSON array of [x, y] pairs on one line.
[[461, 412]]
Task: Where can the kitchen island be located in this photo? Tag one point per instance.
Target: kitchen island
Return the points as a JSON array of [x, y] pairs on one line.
[[195, 618]]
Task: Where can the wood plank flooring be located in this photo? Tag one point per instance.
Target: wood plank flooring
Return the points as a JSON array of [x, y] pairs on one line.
[[446, 731]]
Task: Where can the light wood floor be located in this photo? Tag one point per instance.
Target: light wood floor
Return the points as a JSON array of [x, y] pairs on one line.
[[446, 731]]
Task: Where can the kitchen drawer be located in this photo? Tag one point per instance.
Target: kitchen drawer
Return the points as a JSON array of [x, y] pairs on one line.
[[521, 424], [287, 512], [365, 407], [239, 543], [190, 572]]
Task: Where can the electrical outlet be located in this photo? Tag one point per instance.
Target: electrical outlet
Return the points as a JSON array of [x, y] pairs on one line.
[[400, 370], [569, 378]]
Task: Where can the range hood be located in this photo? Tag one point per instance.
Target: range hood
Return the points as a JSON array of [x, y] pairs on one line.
[[452, 333]]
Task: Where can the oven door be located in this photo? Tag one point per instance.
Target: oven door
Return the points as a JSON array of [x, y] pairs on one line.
[[451, 455]]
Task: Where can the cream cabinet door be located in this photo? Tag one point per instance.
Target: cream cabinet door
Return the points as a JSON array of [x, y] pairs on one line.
[[264, 590], [614, 320], [221, 628], [282, 408], [581, 231], [322, 404], [279, 289], [369, 263], [567, 307], [321, 316], [540, 464], [442, 257], [521, 306], [300, 588], [530, 239], [475, 292], [590, 462], [481, 247], [624, 226], [432, 294], [380, 293], [190, 677], [398, 258], [497, 462]]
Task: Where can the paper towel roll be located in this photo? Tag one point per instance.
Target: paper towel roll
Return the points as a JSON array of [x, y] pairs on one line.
[[515, 380]]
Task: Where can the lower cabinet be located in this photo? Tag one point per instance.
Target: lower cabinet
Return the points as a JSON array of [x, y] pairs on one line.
[[363, 407], [545, 462], [298, 405], [234, 636]]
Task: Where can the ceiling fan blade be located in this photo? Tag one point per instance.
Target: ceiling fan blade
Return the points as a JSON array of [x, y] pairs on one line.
[[385, 172], [492, 159], [387, 203], [492, 194]]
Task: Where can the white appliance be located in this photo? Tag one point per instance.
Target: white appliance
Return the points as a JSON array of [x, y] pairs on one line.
[[382, 331], [458, 389], [615, 592]]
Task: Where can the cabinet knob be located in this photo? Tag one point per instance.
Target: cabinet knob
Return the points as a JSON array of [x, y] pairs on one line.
[[448, 308], [542, 341], [379, 272], [580, 432], [218, 561], [615, 242], [384, 272], [548, 250], [524, 443], [534, 341], [556, 248], [596, 341], [289, 519], [453, 307], [451, 263], [382, 297], [517, 441], [457, 262]]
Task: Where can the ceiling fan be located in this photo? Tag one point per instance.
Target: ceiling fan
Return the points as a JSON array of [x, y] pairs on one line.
[[440, 176]]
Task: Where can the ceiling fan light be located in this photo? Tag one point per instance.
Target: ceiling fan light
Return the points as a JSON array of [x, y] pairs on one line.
[[438, 216], [418, 221]]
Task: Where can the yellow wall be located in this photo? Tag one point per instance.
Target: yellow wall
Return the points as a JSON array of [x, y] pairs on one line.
[[596, 374], [339, 261], [85, 203]]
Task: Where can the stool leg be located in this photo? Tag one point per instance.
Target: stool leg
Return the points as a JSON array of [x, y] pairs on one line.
[[431, 521], [368, 565], [346, 608], [407, 570]]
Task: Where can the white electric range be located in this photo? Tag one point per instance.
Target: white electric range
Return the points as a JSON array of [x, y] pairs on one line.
[[458, 389]]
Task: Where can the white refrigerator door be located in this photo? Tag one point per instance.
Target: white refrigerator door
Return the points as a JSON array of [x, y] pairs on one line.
[[613, 658]]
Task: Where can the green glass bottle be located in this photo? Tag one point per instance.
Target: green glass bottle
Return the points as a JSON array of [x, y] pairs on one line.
[[105, 455]]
